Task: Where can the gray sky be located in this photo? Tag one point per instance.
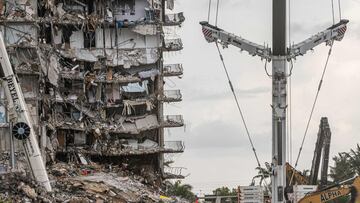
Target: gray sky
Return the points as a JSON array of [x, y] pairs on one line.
[[217, 150]]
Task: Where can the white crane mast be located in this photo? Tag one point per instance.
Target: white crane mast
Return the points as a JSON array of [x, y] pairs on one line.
[[19, 116]]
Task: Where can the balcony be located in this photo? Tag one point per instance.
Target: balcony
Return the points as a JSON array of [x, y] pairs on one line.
[[173, 70], [173, 146], [173, 45], [175, 19], [171, 121], [172, 96], [174, 173], [125, 147]]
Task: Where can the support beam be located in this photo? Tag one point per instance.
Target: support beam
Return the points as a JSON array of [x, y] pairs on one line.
[[279, 80], [279, 28]]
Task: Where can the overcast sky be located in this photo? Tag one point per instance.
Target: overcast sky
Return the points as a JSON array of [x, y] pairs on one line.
[[217, 150]]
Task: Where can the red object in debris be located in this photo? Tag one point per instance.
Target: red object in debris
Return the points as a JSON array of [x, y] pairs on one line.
[[85, 172]]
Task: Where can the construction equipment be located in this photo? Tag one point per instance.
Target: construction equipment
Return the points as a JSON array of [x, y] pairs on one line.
[[20, 117], [294, 176], [280, 54], [213, 34], [334, 192], [322, 146]]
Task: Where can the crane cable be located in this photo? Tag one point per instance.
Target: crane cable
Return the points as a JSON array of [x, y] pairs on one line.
[[217, 12], [318, 90], [313, 107], [241, 114], [339, 3], [209, 12], [236, 99], [333, 15]]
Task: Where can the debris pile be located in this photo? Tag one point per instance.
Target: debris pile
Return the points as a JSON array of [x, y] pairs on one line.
[[90, 183]]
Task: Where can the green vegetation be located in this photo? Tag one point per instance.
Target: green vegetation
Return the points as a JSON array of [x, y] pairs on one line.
[[347, 165], [181, 190], [224, 191]]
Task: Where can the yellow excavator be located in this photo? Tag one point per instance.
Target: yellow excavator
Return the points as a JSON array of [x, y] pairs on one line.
[[333, 192]]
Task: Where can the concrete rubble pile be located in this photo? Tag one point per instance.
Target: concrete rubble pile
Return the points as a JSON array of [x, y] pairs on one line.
[[87, 183]]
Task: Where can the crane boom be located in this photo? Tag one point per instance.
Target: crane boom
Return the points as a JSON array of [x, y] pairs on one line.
[[335, 32], [213, 33], [20, 117]]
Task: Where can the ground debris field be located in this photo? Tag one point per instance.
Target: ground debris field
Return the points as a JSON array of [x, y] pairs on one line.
[[82, 184]]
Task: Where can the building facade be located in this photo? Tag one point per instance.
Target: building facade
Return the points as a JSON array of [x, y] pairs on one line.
[[92, 74]]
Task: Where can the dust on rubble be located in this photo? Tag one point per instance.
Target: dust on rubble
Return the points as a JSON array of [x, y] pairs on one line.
[[82, 184]]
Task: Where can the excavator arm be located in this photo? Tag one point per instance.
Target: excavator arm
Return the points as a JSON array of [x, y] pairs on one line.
[[335, 32], [295, 177], [214, 34], [20, 117], [335, 192]]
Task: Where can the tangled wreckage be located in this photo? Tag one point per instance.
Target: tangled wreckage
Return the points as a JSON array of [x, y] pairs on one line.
[[92, 74]]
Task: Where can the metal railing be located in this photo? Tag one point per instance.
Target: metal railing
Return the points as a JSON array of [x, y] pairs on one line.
[[172, 95], [173, 121], [174, 171], [173, 69], [173, 44], [176, 146]]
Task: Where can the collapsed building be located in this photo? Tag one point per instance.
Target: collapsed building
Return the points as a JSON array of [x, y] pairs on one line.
[[92, 74]]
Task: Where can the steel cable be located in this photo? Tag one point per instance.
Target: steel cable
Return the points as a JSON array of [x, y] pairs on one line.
[[313, 106], [217, 12], [209, 11], [333, 15], [241, 114]]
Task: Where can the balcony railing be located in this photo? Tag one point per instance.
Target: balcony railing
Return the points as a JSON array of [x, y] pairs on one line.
[[174, 19], [174, 146], [173, 70], [172, 96], [173, 44], [173, 121], [174, 172]]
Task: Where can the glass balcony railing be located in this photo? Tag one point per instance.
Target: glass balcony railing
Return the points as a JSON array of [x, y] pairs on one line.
[[172, 96], [173, 121], [174, 146], [173, 70], [173, 44]]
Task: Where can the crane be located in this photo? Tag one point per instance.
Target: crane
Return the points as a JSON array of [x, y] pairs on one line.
[[214, 34], [20, 117], [279, 55]]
